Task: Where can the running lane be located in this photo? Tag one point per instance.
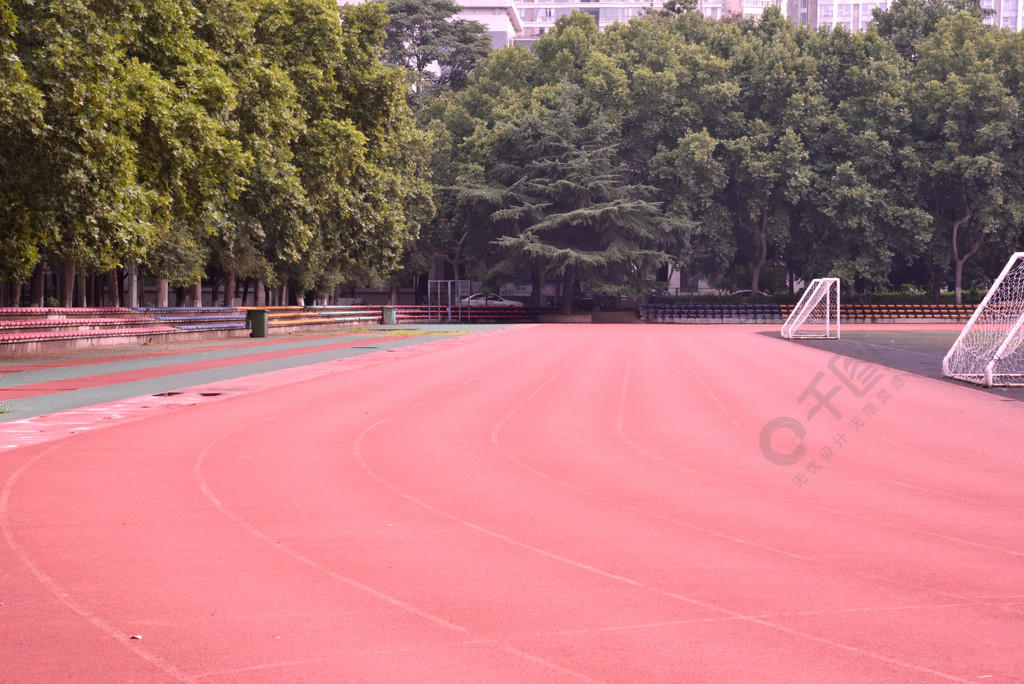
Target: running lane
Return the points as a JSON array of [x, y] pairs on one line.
[[546, 503]]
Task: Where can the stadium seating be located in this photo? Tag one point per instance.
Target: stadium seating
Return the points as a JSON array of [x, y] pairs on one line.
[[751, 313], [772, 313], [25, 330], [469, 314]]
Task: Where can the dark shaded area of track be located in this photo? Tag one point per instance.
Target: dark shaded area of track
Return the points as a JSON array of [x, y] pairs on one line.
[[910, 348]]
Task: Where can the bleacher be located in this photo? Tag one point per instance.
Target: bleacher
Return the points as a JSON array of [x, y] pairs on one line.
[[353, 314], [713, 312], [27, 330], [776, 313], [232, 320], [904, 312], [469, 314], [198, 319]]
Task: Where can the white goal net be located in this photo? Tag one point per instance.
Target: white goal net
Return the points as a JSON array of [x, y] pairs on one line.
[[817, 313], [987, 352]]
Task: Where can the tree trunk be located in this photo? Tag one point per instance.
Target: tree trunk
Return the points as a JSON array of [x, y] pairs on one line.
[[83, 283], [958, 274], [568, 291], [197, 294], [162, 293], [538, 285], [67, 284], [260, 296], [16, 294], [762, 256], [131, 277], [936, 284], [958, 259], [229, 290], [114, 287], [36, 296]]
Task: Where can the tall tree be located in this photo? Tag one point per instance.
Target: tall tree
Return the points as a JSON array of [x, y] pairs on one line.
[[766, 158], [21, 124], [861, 211], [580, 218], [438, 49], [189, 158], [77, 192], [909, 23], [267, 226], [966, 121], [360, 158]]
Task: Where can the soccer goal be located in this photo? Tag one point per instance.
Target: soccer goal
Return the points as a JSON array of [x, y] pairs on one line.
[[987, 352], [817, 313]]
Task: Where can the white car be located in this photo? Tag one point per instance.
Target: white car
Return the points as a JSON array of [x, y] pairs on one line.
[[484, 299]]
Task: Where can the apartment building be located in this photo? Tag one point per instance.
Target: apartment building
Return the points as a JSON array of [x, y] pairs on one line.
[[499, 16], [539, 16], [1007, 14], [854, 16]]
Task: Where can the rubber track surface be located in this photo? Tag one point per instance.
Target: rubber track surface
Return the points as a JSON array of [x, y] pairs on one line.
[[533, 504]]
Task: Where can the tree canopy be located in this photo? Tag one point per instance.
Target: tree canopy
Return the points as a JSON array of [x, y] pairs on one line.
[[776, 153], [263, 138], [302, 143]]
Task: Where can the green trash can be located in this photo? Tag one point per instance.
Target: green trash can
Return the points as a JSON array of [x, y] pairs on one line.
[[388, 315], [258, 320]]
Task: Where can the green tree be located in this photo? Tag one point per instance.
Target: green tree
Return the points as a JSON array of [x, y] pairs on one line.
[[967, 123], [361, 160], [439, 50], [767, 162], [189, 158], [861, 212], [21, 124], [908, 23], [679, 100], [266, 228], [76, 194], [580, 219]]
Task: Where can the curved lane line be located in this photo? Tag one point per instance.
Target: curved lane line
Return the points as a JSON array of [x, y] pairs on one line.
[[377, 593], [58, 591], [611, 575]]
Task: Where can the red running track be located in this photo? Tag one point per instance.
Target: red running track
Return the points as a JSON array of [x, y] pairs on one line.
[[542, 504]]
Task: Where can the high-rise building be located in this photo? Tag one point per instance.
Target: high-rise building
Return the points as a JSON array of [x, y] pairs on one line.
[[539, 16], [1005, 13], [854, 16], [499, 16]]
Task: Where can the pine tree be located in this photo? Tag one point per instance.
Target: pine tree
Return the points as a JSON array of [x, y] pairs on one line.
[[568, 206]]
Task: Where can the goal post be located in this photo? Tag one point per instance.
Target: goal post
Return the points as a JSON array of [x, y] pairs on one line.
[[816, 315], [988, 350]]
